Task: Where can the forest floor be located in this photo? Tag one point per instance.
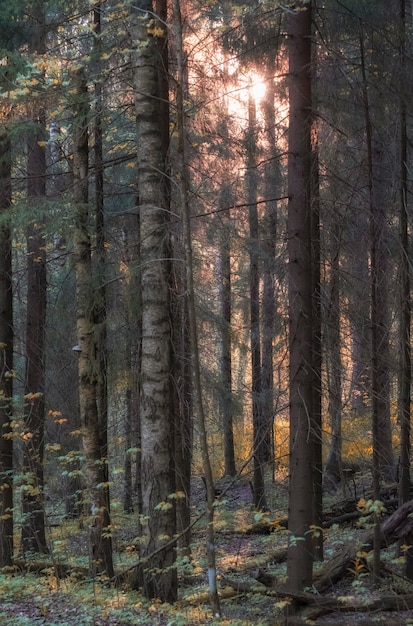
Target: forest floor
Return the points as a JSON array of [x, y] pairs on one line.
[[251, 567]]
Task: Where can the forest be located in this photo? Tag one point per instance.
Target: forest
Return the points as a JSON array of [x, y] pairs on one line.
[[205, 312]]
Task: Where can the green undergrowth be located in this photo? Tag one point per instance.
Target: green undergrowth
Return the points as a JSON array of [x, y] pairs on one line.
[[45, 598]]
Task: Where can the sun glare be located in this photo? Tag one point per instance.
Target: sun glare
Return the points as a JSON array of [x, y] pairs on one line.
[[258, 89]]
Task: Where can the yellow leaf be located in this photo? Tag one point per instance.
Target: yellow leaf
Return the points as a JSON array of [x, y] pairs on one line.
[[156, 31]]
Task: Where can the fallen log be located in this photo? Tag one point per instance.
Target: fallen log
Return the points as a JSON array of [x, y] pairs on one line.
[[396, 526]]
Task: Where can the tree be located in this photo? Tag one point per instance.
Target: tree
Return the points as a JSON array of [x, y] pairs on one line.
[[100, 544], [6, 355], [301, 513], [33, 529], [156, 407], [255, 334]]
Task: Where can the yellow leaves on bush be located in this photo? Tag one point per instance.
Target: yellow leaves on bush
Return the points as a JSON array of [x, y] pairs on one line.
[[163, 506], [156, 31], [371, 506], [31, 397], [57, 417]]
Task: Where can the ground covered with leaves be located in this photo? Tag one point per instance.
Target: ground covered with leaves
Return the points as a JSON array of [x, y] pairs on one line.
[[251, 569]]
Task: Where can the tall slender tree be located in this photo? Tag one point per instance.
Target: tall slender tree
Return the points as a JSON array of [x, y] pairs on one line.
[[100, 543], [405, 282], [33, 528], [301, 509], [255, 334], [6, 355]]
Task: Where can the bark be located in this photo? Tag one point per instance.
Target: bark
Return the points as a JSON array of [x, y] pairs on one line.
[[195, 360], [226, 407], [316, 412], [100, 543], [255, 332], [33, 528], [100, 296], [269, 304], [156, 407], [405, 308], [377, 172], [134, 354], [333, 466], [182, 334], [301, 511], [6, 357]]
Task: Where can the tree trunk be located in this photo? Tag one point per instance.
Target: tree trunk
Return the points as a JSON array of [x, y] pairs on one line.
[[379, 281], [133, 365], [156, 409], [193, 334], [405, 308], [6, 357], [301, 510], [33, 528], [271, 189], [100, 543], [255, 333], [333, 466], [225, 334], [100, 297], [316, 411]]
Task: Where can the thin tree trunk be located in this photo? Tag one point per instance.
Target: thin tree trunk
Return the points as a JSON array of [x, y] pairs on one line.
[[6, 357], [405, 309], [33, 528], [271, 188], [195, 362], [100, 543], [225, 334], [381, 433], [301, 509], [100, 299], [255, 334], [333, 466], [133, 365], [316, 414]]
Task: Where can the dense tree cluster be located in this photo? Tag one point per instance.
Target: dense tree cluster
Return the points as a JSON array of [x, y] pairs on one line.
[[204, 266]]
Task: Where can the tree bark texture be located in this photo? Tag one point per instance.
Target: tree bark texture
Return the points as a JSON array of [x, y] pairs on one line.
[[269, 236], [33, 527], [156, 406], [333, 466], [377, 173], [301, 513], [259, 429], [226, 400], [100, 543]]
